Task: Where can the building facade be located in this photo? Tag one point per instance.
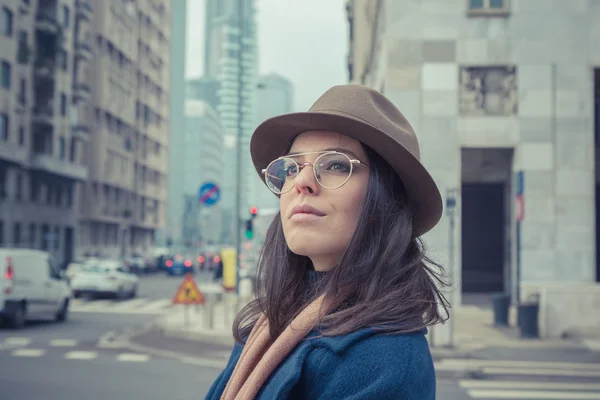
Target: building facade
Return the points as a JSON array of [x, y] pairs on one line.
[[204, 164], [127, 115], [501, 95], [176, 122], [275, 96], [41, 154], [231, 58]]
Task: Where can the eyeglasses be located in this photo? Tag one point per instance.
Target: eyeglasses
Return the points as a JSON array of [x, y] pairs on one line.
[[331, 169]]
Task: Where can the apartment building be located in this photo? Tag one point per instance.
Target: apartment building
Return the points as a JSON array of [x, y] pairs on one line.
[[41, 157], [501, 95], [123, 201]]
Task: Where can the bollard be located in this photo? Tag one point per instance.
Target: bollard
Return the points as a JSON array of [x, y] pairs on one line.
[[209, 310]]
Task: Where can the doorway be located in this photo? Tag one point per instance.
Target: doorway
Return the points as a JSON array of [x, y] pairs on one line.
[[483, 250], [486, 223]]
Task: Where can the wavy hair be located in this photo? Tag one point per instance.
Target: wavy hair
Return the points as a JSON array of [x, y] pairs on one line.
[[383, 280]]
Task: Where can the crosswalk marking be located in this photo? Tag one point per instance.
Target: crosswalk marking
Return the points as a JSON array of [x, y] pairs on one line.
[[462, 363], [16, 341], [537, 395], [134, 303], [63, 343], [28, 352], [539, 372], [81, 355], [529, 385], [133, 357], [158, 304], [136, 306]]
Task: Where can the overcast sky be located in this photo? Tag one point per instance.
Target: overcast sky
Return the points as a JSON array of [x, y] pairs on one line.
[[303, 40]]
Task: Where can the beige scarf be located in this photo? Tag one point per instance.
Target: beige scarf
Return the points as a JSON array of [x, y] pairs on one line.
[[261, 357]]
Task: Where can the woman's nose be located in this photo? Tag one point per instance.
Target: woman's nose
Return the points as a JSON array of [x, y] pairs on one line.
[[305, 180]]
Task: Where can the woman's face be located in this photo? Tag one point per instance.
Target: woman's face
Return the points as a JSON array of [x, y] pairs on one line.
[[324, 237]]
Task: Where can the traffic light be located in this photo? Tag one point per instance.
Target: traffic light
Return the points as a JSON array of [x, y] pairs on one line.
[[253, 211], [249, 229]]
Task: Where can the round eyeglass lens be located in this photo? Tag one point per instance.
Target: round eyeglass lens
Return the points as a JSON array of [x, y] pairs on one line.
[[280, 175], [332, 170]]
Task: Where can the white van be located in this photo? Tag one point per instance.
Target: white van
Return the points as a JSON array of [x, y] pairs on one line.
[[32, 285]]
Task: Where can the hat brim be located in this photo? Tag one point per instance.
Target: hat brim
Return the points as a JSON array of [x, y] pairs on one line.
[[271, 139]]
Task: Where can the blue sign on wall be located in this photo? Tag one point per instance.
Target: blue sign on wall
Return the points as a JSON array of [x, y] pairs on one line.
[[209, 194]]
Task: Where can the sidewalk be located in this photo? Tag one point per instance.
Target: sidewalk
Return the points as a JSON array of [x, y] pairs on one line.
[[474, 333]]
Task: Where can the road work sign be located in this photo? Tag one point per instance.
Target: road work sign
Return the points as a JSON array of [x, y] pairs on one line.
[[188, 292]]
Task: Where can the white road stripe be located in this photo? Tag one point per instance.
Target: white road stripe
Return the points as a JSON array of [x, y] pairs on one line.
[[536, 394], [129, 303], [63, 343], [458, 364], [81, 355], [16, 341], [28, 352], [540, 372], [529, 385], [136, 306], [133, 357], [158, 304]]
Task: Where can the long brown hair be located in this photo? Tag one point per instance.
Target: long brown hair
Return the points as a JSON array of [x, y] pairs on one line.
[[383, 280]]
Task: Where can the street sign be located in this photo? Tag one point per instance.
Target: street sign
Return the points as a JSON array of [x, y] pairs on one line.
[[188, 292], [209, 194]]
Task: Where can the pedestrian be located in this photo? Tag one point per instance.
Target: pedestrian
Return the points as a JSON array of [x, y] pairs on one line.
[[345, 292]]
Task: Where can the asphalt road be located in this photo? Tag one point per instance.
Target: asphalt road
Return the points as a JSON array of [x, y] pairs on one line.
[[53, 377]]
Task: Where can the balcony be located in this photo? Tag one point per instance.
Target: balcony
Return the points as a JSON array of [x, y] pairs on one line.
[[14, 154], [84, 9], [47, 163], [45, 68], [43, 114], [83, 50], [24, 6], [81, 91], [46, 20]]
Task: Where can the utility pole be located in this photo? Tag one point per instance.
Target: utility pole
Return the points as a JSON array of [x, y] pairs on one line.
[[239, 154]]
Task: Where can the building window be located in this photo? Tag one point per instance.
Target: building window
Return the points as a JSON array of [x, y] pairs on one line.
[[73, 151], [65, 17], [488, 6], [63, 104], [7, 22], [19, 196], [61, 148], [21, 136], [17, 234], [488, 91], [6, 69], [23, 92], [4, 126], [63, 60], [32, 231]]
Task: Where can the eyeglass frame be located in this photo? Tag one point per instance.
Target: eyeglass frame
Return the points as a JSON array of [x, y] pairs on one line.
[[300, 167]]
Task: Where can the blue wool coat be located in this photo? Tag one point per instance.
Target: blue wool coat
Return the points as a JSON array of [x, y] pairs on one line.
[[361, 365]]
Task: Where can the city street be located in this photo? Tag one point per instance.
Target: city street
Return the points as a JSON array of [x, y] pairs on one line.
[[79, 352], [78, 359]]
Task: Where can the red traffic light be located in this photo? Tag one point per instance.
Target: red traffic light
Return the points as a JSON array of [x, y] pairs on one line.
[[253, 210]]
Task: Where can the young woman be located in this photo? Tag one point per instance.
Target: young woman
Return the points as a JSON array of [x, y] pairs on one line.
[[344, 292]]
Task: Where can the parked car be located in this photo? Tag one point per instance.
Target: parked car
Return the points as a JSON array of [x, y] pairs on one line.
[[105, 278], [32, 285]]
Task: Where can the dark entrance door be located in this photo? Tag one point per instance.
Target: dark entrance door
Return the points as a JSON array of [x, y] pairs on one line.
[[68, 245], [483, 237]]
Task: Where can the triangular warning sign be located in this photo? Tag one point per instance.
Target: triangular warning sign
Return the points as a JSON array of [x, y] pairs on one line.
[[188, 292]]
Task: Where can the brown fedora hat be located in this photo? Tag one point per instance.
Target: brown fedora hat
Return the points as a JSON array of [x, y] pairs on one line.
[[366, 115]]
